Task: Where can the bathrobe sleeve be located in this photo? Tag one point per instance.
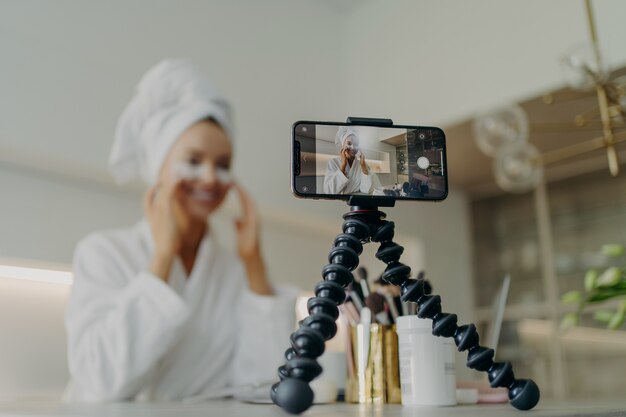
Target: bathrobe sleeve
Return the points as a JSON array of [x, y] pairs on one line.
[[118, 325], [335, 180], [264, 325], [366, 182]]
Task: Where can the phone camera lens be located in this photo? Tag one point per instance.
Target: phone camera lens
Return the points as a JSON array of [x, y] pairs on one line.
[[423, 162], [422, 135]]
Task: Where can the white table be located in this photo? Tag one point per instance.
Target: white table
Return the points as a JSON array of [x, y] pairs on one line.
[[228, 408]]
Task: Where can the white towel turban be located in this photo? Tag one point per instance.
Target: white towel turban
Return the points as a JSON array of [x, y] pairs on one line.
[[342, 134], [170, 97]]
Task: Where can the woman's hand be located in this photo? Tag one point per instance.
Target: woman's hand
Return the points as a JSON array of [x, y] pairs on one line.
[[248, 245], [364, 168], [344, 154], [160, 206]]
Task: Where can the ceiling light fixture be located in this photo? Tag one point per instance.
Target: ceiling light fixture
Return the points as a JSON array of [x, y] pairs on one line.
[[503, 133]]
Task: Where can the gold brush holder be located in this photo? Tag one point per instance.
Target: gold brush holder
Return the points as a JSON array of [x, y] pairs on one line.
[[373, 369]]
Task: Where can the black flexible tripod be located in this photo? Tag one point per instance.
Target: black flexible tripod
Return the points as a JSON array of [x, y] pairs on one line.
[[365, 223]]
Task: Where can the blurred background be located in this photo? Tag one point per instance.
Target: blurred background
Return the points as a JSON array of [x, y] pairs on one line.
[[486, 71]]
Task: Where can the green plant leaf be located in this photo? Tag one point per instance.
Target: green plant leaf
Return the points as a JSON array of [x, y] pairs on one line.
[[571, 297], [591, 280], [569, 320], [601, 296], [604, 316], [617, 320], [613, 250], [609, 277]]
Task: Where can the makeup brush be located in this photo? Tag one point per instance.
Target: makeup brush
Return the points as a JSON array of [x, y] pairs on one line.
[[376, 303], [356, 291], [390, 300], [352, 311], [393, 307], [394, 290], [363, 348], [347, 315], [362, 272], [356, 300]]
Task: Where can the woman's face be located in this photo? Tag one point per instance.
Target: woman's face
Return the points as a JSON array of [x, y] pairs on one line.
[[201, 157], [351, 144]]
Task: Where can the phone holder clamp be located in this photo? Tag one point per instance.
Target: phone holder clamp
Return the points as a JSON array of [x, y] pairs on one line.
[[369, 121]]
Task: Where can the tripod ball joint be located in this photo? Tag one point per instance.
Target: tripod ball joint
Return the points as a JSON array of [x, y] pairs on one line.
[[524, 394], [292, 395]]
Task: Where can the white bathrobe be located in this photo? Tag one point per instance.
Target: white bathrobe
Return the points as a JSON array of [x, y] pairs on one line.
[[131, 335], [336, 182]]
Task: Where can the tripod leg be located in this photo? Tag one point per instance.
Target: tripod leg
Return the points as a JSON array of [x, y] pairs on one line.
[[523, 393], [293, 393]]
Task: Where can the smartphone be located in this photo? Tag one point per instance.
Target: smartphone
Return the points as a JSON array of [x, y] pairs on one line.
[[396, 162]]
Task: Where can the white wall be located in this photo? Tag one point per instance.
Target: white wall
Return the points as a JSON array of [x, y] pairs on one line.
[[43, 216], [438, 61]]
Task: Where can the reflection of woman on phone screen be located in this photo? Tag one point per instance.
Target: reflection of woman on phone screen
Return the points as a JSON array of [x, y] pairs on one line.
[[348, 174]]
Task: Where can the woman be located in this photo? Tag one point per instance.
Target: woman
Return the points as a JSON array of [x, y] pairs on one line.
[[160, 310], [348, 174]]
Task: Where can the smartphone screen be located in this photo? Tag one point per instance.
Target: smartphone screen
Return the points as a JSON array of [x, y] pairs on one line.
[[338, 160]]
